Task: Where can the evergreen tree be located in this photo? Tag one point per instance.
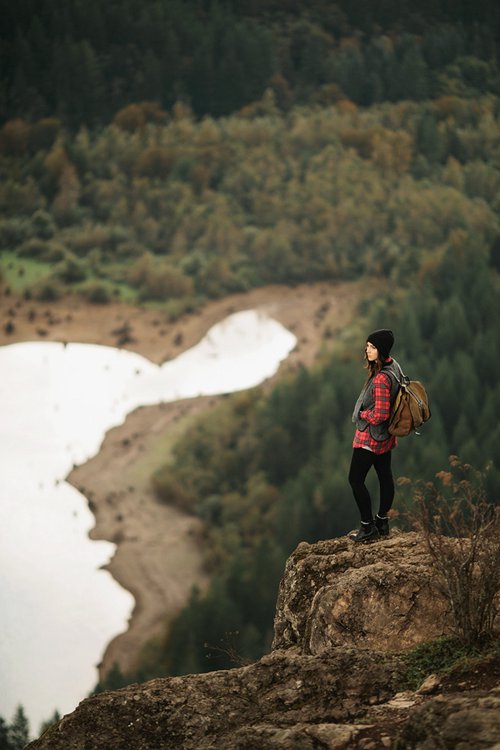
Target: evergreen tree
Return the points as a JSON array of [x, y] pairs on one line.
[[113, 680], [430, 142], [351, 74], [19, 730], [413, 74], [4, 736]]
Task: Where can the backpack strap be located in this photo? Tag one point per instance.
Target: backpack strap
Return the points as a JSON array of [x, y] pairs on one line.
[[397, 372], [393, 369]]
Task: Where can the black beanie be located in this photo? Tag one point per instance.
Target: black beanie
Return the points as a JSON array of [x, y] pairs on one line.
[[383, 340]]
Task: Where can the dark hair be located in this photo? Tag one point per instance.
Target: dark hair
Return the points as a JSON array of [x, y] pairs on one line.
[[373, 367]]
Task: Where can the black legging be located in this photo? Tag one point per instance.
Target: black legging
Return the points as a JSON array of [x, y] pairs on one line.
[[362, 461]]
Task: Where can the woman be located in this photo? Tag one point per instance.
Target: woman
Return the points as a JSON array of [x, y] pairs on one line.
[[373, 443]]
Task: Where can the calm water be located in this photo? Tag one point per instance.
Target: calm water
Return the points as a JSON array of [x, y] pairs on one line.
[[58, 610]]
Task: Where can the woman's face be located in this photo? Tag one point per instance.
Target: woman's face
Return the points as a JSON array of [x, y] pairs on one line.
[[371, 352]]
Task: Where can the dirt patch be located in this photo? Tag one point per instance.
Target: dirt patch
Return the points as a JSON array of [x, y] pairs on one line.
[[159, 549], [314, 312]]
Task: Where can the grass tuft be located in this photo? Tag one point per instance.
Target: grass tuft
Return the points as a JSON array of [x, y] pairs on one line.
[[443, 656]]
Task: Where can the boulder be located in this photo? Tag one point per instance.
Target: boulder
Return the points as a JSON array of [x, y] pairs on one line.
[[378, 596]]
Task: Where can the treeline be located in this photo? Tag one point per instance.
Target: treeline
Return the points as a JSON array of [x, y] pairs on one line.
[[16, 735], [83, 61], [266, 471], [185, 210]]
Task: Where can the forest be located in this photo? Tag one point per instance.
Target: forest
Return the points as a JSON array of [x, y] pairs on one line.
[[186, 210], [82, 62], [169, 153]]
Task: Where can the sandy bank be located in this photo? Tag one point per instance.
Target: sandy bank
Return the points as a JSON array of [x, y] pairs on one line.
[[159, 549]]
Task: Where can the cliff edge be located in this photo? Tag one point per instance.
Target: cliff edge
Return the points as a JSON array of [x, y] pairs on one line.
[[345, 614]]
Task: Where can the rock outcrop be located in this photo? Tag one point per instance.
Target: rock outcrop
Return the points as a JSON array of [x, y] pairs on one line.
[[379, 596], [332, 682], [263, 705]]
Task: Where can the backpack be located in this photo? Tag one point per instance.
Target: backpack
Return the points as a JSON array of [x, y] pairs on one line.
[[410, 409]]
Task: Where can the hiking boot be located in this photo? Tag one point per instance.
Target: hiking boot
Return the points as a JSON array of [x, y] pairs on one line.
[[368, 532], [382, 524]]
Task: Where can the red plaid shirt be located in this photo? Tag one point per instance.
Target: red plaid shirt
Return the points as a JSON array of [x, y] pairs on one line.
[[380, 412]]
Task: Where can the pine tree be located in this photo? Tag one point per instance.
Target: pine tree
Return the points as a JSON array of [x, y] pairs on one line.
[[413, 74], [429, 140], [19, 730], [4, 736], [351, 74]]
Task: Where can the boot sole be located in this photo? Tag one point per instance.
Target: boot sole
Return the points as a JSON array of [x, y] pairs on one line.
[[365, 541]]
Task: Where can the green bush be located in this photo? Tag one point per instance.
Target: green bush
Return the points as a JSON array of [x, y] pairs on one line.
[[169, 490], [13, 232], [70, 270], [97, 294], [158, 280], [33, 248], [47, 290], [440, 656], [130, 249], [43, 225], [42, 250]]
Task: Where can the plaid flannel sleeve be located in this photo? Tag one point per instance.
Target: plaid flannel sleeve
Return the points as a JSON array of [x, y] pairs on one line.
[[382, 396]]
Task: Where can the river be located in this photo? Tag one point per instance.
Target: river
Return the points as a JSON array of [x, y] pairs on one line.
[[57, 401]]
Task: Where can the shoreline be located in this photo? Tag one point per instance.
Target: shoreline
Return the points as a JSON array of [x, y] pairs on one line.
[[159, 549]]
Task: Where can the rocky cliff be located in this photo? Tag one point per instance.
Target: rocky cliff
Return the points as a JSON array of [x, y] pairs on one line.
[[332, 681]]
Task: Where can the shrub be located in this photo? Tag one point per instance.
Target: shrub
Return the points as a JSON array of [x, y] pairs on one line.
[[176, 308], [49, 252], [130, 249], [53, 253], [130, 119], [19, 198], [442, 656], [158, 280], [166, 282], [70, 270], [14, 137], [13, 232], [154, 162], [43, 225], [47, 290], [169, 490], [97, 294], [34, 248], [461, 530], [83, 240], [135, 117]]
